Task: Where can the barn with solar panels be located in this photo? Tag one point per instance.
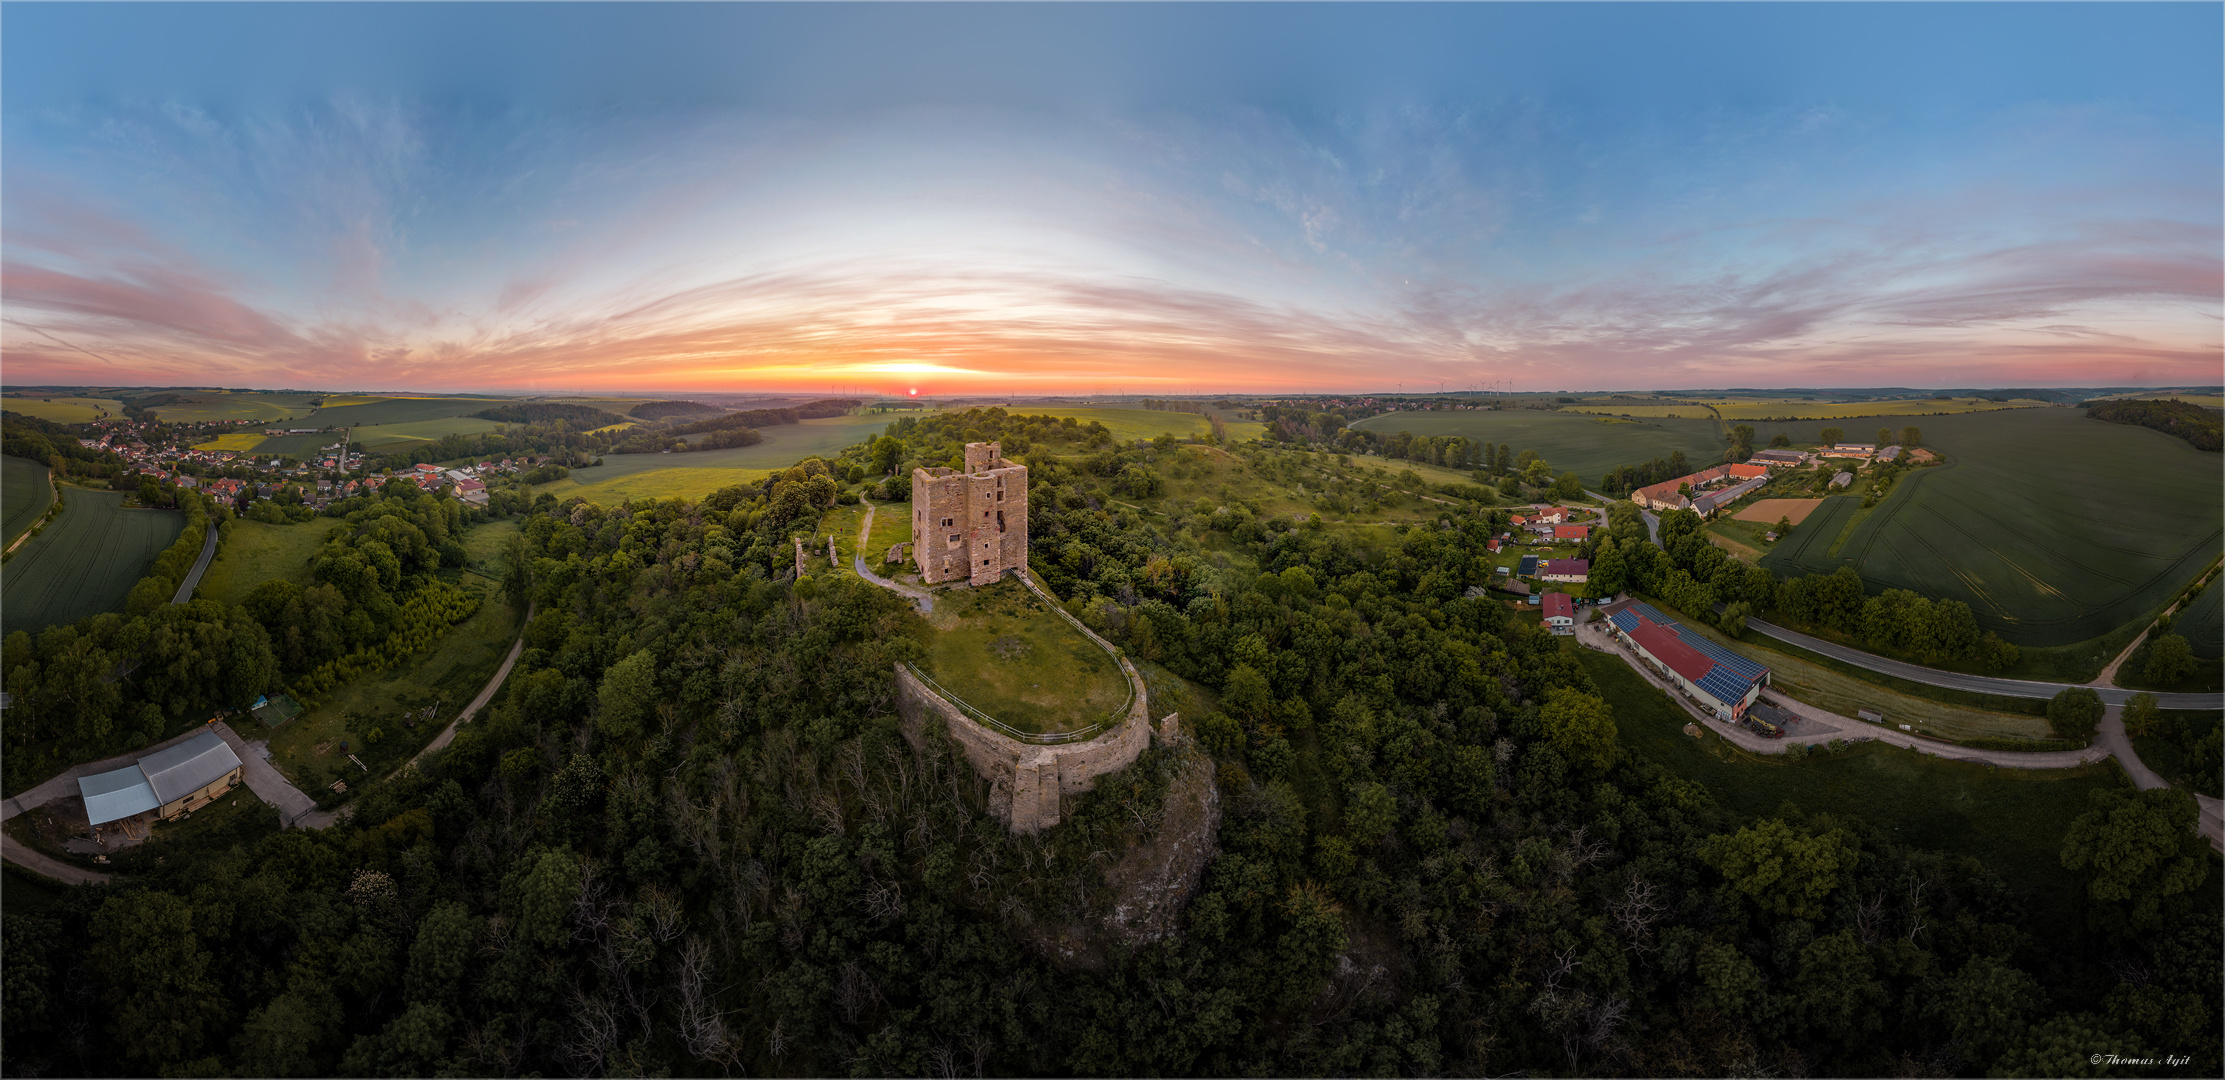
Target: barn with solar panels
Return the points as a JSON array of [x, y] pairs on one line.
[[1722, 681]]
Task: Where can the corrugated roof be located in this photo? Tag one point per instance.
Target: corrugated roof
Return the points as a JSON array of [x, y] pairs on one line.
[[110, 796], [188, 766], [1671, 652]]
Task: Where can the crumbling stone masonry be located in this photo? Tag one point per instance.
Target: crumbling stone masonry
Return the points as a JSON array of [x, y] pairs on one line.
[[972, 525], [1028, 782]]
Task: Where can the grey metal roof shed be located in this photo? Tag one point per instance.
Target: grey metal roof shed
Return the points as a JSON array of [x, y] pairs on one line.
[[188, 767], [111, 796]]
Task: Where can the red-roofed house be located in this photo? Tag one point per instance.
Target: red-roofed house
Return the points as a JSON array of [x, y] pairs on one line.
[[1560, 614], [1572, 571], [1571, 532]]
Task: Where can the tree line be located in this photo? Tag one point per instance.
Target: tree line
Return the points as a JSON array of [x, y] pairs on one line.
[[2200, 427]]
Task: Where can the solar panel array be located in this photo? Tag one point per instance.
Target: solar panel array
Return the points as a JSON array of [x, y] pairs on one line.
[[1731, 677]]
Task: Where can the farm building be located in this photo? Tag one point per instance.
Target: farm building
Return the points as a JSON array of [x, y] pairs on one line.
[[1560, 614], [170, 782], [1861, 450], [1842, 479], [1668, 495], [1722, 681], [1778, 457], [1716, 500], [1573, 571], [1890, 453]]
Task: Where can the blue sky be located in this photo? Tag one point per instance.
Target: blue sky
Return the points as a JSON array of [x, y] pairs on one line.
[[1152, 198]]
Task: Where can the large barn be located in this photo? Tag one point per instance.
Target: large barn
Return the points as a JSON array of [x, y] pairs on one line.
[[1722, 681], [169, 782]]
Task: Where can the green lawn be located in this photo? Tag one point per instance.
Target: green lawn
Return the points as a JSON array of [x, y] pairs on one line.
[[253, 552], [2055, 529], [892, 525], [2012, 820], [1006, 653], [694, 475], [24, 495], [85, 562], [1589, 446], [446, 676]]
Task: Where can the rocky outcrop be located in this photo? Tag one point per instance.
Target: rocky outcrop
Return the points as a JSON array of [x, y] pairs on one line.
[[1153, 882]]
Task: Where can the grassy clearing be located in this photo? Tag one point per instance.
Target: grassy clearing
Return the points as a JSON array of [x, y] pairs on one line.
[[2012, 820], [63, 410], [85, 562], [1587, 445], [1846, 695], [446, 676], [1126, 424], [25, 493], [485, 543], [2055, 529], [254, 552], [694, 475], [892, 525], [1004, 651]]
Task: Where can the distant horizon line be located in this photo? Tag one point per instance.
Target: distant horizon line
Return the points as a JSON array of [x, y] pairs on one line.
[[6, 388]]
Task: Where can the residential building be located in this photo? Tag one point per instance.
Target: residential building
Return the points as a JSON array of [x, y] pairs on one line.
[[1577, 533], [1571, 571], [1721, 681], [1560, 614]]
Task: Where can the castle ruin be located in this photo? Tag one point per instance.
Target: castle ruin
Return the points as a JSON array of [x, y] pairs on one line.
[[970, 525]]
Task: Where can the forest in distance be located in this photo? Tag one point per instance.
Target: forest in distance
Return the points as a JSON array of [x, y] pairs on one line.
[[690, 838]]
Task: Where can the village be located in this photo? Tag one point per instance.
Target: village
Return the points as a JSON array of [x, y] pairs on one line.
[[335, 471]]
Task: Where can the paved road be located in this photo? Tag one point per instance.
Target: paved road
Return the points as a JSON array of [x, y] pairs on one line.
[[200, 566], [926, 603], [64, 786], [39, 863], [1653, 523], [1981, 684]]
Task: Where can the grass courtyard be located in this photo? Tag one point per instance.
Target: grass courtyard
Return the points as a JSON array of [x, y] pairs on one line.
[[1006, 653]]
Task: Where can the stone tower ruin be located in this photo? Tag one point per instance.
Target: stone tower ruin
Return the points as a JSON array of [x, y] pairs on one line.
[[973, 525]]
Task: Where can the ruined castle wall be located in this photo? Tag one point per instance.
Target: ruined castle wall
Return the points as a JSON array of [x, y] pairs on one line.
[[1027, 783], [970, 525]]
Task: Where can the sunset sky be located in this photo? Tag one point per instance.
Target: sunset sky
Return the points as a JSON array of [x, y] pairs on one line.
[[1142, 198]]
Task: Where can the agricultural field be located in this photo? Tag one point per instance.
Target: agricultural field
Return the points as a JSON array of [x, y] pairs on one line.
[[1736, 410], [2013, 820], [1006, 653], [63, 410], [253, 552], [1589, 446], [398, 436], [361, 412], [2055, 529], [215, 406], [85, 562], [694, 475], [238, 442], [2203, 623], [1770, 511], [25, 494]]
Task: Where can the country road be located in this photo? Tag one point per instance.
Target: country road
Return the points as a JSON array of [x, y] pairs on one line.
[[1978, 684], [200, 566]]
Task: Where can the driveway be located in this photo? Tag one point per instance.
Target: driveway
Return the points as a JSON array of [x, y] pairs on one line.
[[268, 784]]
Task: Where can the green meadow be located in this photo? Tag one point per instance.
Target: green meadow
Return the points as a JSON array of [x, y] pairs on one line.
[[696, 474], [254, 552]]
